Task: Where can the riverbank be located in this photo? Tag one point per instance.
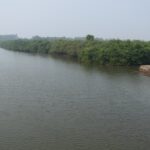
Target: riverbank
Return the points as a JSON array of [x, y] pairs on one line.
[[89, 51], [145, 69]]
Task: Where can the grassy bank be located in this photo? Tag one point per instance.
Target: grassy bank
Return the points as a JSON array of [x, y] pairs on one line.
[[90, 50]]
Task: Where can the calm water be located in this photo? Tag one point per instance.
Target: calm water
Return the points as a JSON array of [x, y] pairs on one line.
[[52, 104]]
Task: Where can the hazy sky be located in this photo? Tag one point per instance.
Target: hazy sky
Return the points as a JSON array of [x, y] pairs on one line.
[[72, 18]]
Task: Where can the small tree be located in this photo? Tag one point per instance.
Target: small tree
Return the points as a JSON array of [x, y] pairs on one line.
[[90, 37]]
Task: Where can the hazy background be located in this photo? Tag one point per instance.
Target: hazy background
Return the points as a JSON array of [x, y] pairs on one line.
[[73, 18]]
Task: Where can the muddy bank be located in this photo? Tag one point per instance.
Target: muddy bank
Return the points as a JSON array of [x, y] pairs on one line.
[[145, 69]]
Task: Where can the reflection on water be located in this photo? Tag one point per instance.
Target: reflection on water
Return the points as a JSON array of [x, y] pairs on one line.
[[51, 103]]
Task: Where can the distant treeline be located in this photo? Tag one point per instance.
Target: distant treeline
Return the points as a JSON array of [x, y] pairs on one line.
[[8, 37], [89, 50]]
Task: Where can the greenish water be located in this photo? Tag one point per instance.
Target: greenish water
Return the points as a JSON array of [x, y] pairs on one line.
[[48, 103]]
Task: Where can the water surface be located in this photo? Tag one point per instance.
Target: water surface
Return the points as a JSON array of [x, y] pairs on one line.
[[48, 103]]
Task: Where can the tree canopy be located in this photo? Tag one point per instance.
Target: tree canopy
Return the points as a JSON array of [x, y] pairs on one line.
[[90, 37], [90, 50]]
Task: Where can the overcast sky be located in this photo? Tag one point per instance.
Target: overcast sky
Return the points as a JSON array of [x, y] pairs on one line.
[[72, 18]]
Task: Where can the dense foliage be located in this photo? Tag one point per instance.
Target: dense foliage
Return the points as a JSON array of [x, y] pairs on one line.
[[90, 50]]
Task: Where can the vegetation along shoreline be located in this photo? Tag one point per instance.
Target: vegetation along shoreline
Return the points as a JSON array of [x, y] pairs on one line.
[[89, 50]]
